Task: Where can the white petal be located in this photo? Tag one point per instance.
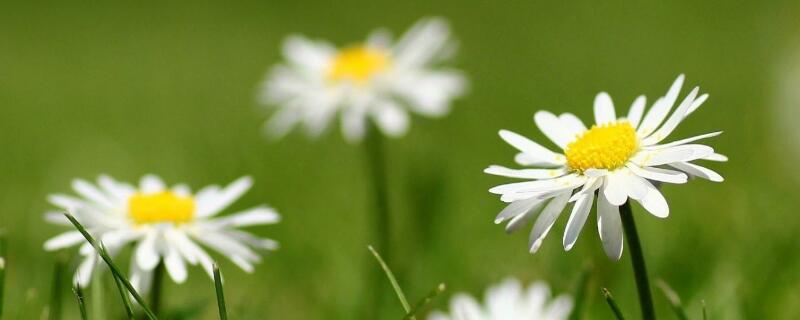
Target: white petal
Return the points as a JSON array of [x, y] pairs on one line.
[[604, 109], [696, 104], [551, 126], [609, 226], [568, 181], [280, 123], [682, 153], [256, 216], [698, 171], [147, 256], [83, 276], [572, 124], [151, 184], [525, 173], [391, 118], [614, 189], [659, 174], [660, 109], [545, 221], [517, 208], [464, 307], [636, 111], [520, 220], [118, 192], [305, 53], [141, 280], [590, 186], [683, 141], [90, 192], [64, 240], [634, 186], [716, 157], [673, 121], [212, 205], [530, 148], [577, 219], [424, 43], [354, 124], [654, 201], [175, 265]]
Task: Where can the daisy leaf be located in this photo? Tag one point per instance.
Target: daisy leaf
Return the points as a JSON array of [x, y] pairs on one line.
[[426, 300], [392, 280], [674, 299], [81, 301]]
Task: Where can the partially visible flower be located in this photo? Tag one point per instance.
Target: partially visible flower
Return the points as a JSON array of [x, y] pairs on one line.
[[378, 80], [619, 156], [509, 301], [165, 225]]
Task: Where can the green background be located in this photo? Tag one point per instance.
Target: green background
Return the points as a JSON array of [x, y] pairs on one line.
[[169, 88]]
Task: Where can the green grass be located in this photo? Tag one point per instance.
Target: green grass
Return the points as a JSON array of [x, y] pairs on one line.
[[139, 87]]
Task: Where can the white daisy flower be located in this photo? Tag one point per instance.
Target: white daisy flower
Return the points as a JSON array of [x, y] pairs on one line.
[[377, 79], [164, 224], [509, 301], [619, 156]]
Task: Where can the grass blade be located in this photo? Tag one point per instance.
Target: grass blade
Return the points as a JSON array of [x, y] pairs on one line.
[[580, 294], [81, 301], [613, 304], [111, 265], [397, 290], [126, 302], [2, 270], [705, 313], [223, 311], [674, 299], [425, 301], [54, 310]]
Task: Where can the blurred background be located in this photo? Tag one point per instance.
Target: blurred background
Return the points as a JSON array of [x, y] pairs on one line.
[[169, 88]]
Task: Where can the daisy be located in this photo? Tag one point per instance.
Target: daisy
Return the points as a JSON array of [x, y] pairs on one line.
[[621, 157], [165, 225], [377, 79], [509, 301]]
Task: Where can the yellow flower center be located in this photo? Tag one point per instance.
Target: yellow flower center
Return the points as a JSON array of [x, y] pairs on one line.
[[358, 64], [607, 146], [160, 207]]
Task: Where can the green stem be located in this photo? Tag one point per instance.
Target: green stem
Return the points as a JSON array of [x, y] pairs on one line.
[[223, 311], [55, 294], [158, 287], [395, 285], [126, 302], [637, 259], [580, 294], [375, 159], [81, 301]]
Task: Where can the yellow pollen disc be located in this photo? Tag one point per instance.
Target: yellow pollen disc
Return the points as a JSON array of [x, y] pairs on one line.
[[160, 207], [608, 146], [358, 64]]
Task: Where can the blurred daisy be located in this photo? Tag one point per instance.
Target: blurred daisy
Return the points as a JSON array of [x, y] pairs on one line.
[[377, 79], [509, 301], [619, 156], [164, 225]]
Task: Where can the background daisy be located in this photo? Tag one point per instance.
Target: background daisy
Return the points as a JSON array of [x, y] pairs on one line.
[[378, 80], [165, 225], [509, 301]]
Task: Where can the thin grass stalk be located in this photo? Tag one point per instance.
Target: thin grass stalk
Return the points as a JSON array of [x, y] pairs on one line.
[[113, 266], [580, 294], [705, 312], [3, 262], [54, 309], [613, 304], [81, 301], [673, 298], [637, 259], [223, 310], [395, 285], [126, 301], [425, 301]]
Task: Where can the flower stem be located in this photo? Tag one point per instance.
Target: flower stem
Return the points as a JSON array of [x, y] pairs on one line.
[[223, 310], [81, 301], [637, 259], [375, 158], [54, 312], [158, 287], [613, 305]]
